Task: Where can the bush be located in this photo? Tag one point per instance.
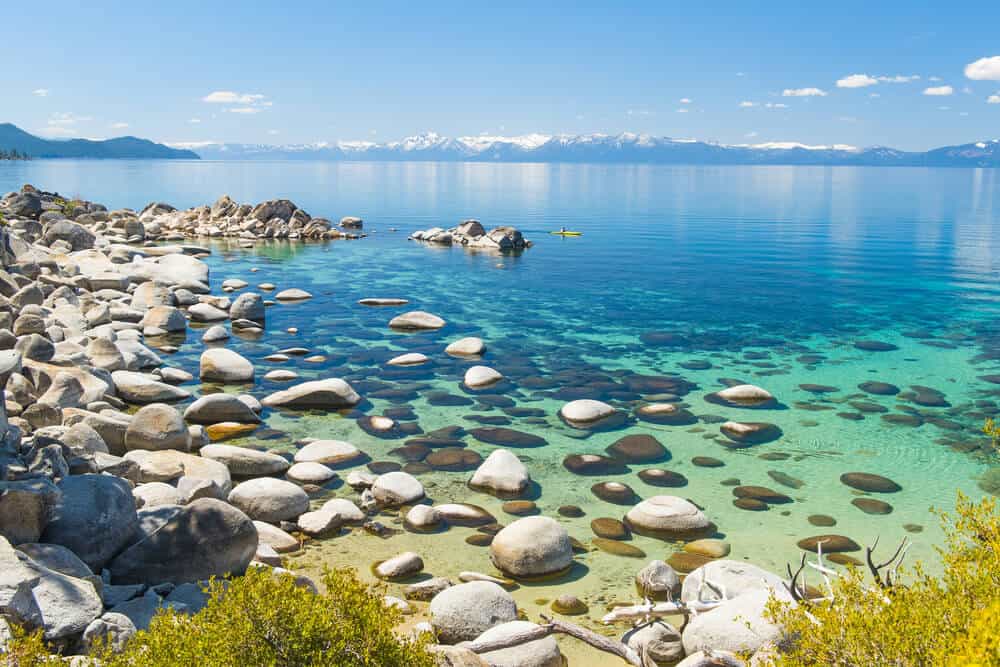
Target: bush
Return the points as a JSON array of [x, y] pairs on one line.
[[27, 649], [924, 620], [266, 619]]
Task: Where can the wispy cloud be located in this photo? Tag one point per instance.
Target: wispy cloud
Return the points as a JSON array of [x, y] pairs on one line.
[[118, 126], [194, 121], [864, 80], [939, 91], [273, 132], [40, 92], [230, 97], [993, 99], [685, 100], [803, 92], [775, 105], [746, 104], [639, 112], [63, 123], [682, 110], [750, 135], [984, 69], [245, 110]]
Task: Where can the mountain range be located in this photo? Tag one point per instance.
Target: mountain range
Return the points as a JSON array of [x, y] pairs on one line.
[[14, 138], [589, 148], [601, 148]]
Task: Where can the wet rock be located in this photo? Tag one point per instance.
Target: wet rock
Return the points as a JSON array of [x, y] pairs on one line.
[[831, 544], [453, 459], [409, 359], [466, 514], [403, 566], [569, 605], [822, 520], [501, 473], [685, 562], [761, 493], [707, 462], [872, 506], [220, 408], [617, 548], [614, 492], [520, 507], [750, 433], [638, 448], [507, 437], [875, 346], [750, 504], [869, 482], [533, 546], [466, 347], [593, 464], [292, 294], [584, 413], [662, 516], [331, 393], [222, 365], [328, 452], [477, 377], [662, 478], [665, 413], [743, 395], [913, 421], [608, 528], [879, 388], [310, 473], [710, 547], [416, 320], [818, 388], [785, 479]]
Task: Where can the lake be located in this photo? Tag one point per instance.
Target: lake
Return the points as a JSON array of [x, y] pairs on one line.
[[821, 285]]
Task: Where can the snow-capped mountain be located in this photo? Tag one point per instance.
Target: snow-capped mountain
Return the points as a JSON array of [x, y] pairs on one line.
[[627, 147]]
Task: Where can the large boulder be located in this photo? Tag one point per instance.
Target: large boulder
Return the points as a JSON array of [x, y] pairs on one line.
[[502, 473], [416, 320], [207, 538], [539, 653], [245, 462], [140, 388], [667, 516], [463, 612], [332, 393], [66, 605], [76, 235], [735, 577], [168, 465], [25, 506], [216, 408], [397, 488], [94, 518], [156, 427], [738, 625], [166, 318], [248, 306], [531, 547], [271, 500], [222, 365]]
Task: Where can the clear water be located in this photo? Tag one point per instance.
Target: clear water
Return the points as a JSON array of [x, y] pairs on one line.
[[771, 274]]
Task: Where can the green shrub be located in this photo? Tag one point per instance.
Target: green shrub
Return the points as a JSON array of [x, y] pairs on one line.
[[27, 649], [921, 619]]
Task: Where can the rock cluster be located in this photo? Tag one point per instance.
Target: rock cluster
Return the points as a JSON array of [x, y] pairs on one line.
[[471, 234]]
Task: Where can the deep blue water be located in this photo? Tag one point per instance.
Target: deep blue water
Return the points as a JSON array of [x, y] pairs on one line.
[[768, 274]]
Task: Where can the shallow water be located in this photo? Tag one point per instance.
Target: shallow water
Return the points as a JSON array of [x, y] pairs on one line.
[[769, 274]]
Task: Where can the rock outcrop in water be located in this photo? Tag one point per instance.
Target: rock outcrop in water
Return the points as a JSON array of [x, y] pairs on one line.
[[471, 234]]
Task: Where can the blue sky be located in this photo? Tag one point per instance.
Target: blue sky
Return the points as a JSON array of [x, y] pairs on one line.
[[304, 72]]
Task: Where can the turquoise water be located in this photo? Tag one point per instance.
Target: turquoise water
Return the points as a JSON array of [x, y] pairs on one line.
[[767, 275]]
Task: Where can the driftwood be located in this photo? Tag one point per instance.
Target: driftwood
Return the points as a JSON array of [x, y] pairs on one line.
[[551, 626]]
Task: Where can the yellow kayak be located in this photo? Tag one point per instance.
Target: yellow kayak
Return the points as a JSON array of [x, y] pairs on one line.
[[567, 233]]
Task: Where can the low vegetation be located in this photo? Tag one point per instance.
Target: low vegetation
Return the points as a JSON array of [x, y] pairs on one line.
[[911, 617], [268, 620]]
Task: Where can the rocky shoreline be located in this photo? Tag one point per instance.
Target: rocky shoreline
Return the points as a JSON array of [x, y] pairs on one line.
[[120, 496]]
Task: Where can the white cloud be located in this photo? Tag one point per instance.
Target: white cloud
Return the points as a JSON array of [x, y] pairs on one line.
[[803, 92], [639, 112], [40, 92], [682, 110], [933, 78], [993, 99], [245, 110], [685, 100], [229, 97], [776, 105], [857, 81], [874, 95], [984, 69], [119, 126], [939, 91], [195, 121], [746, 104]]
